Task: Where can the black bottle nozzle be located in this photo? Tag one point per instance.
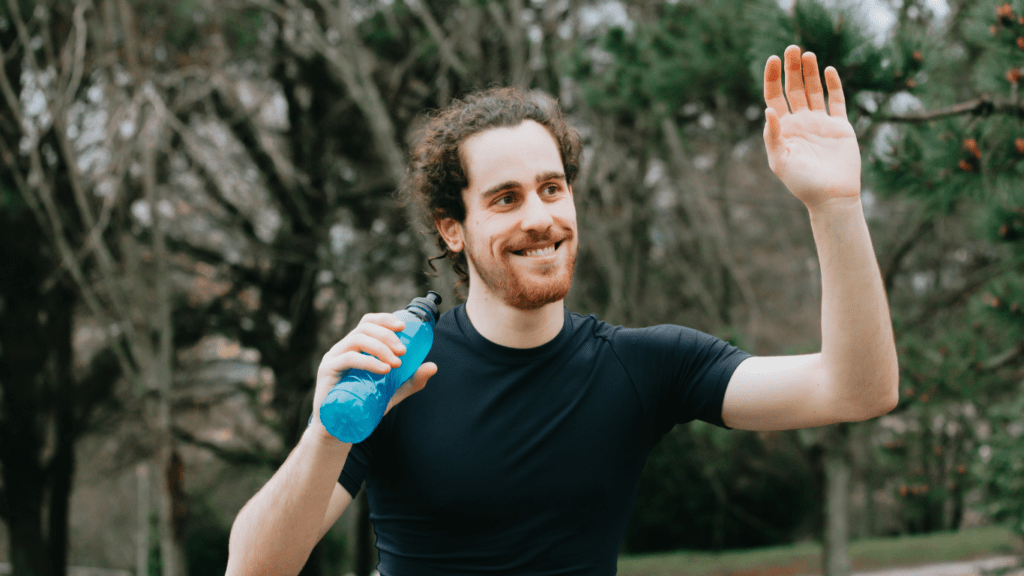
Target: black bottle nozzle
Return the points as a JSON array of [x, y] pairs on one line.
[[428, 304]]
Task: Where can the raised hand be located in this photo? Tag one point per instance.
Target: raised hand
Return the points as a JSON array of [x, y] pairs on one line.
[[813, 151]]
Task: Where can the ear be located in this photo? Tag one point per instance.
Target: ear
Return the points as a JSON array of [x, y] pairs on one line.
[[451, 231]]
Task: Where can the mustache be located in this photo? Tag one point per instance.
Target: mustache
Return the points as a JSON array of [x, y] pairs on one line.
[[535, 240]]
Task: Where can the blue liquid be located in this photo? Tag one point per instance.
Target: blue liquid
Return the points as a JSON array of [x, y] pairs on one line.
[[356, 404]]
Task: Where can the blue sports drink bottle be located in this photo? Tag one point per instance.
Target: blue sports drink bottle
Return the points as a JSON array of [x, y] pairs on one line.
[[356, 404]]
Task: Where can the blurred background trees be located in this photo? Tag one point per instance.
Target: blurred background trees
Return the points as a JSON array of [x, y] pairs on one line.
[[197, 200]]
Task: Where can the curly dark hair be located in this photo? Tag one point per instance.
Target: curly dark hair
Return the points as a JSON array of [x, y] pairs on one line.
[[435, 176]]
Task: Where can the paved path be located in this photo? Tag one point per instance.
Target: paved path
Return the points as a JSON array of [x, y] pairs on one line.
[[5, 568], [969, 568]]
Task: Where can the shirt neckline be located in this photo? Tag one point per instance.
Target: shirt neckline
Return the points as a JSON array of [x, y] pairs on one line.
[[500, 352]]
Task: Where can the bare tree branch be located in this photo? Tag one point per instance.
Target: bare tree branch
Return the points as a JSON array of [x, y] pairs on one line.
[[419, 8], [19, 182], [512, 31], [57, 234], [716, 226], [892, 267], [250, 455], [23, 34], [946, 299], [1003, 358], [281, 173], [131, 48], [78, 65], [8, 91], [982, 106]]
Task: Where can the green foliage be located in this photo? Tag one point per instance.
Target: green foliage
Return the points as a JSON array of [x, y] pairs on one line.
[[837, 39], [11, 201], [966, 166], [206, 541], [690, 53], [993, 29], [1002, 474], [184, 27], [805, 558], [705, 487], [243, 31]]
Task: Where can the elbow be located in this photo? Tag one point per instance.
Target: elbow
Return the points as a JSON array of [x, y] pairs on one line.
[[890, 395], [885, 400], [890, 401], [880, 401]]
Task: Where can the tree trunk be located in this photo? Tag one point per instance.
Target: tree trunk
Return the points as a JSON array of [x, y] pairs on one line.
[[173, 511], [37, 421], [62, 465], [142, 536], [835, 559]]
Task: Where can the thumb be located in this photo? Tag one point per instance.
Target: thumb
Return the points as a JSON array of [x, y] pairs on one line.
[[414, 384], [772, 136]]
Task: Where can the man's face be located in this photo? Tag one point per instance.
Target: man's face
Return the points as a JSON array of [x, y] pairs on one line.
[[520, 227]]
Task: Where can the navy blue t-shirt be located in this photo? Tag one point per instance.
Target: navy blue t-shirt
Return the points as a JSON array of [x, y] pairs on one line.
[[520, 461]]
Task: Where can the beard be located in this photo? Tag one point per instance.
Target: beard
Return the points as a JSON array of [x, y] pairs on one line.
[[527, 289]]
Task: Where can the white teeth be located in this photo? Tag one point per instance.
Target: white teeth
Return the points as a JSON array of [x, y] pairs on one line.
[[540, 252]]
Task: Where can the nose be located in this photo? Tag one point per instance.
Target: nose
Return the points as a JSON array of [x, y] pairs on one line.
[[536, 215]]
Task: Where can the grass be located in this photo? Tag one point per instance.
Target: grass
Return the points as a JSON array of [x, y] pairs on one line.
[[798, 559]]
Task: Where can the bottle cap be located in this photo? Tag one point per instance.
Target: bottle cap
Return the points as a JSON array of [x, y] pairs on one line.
[[427, 304]]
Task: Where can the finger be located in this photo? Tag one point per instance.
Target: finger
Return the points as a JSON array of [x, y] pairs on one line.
[[358, 341], [365, 344], [414, 384], [772, 135], [385, 335], [836, 99], [773, 85], [353, 361], [385, 319], [795, 80], [812, 83]]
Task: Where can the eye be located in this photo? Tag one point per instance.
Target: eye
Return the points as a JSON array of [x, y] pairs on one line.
[[504, 200], [550, 190]]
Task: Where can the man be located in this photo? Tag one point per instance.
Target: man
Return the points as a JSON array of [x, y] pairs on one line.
[[523, 455]]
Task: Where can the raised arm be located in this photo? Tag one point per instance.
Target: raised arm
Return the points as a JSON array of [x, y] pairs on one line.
[[276, 530], [855, 376]]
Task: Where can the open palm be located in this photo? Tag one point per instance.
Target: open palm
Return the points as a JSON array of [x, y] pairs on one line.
[[813, 151]]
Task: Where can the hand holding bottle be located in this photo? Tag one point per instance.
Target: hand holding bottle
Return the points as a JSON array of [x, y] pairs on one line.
[[373, 346]]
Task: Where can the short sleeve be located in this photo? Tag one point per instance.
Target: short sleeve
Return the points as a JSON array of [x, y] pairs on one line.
[[357, 465], [680, 373]]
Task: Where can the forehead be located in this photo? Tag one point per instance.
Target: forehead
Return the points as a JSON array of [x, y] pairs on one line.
[[517, 153]]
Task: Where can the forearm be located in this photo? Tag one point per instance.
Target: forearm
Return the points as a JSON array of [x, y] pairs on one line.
[[858, 349], [276, 530]]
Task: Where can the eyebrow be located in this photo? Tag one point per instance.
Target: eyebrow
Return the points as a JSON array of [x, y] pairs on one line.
[[513, 185]]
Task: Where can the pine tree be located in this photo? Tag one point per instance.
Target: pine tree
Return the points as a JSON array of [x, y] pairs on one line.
[[956, 158], [962, 157]]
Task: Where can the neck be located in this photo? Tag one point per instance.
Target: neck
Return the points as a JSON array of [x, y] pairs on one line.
[[502, 324]]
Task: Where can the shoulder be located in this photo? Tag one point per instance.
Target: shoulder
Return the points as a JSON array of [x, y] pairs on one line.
[[635, 346], [660, 336]]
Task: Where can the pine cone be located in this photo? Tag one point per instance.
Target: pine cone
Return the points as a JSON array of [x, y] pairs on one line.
[[966, 166], [1013, 75], [1020, 42], [1019, 143], [971, 145], [918, 56], [1005, 14]]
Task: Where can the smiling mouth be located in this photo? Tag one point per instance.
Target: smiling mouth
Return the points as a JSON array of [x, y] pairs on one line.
[[538, 251]]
